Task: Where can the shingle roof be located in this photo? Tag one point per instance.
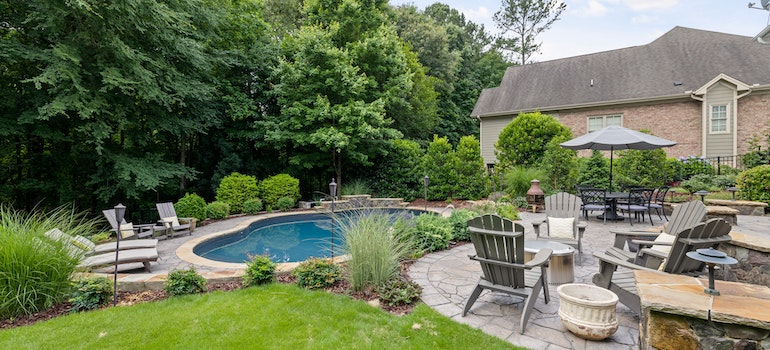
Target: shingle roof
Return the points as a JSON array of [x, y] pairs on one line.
[[691, 57]]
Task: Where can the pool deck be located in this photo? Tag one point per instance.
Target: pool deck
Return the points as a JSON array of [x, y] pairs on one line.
[[447, 278]]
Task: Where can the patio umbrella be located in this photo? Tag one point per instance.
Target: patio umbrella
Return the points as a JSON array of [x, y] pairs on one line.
[[617, 137]]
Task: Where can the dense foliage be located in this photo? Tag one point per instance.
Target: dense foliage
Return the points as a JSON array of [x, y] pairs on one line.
[[217, 210], [181, 282], [523, 141], [235, 189], [88, 293], [35, 270], [316, 273], [259, 270], [145, 100], [191, 205], [754, 184], [273, 188], [641, 168], [595, 171]]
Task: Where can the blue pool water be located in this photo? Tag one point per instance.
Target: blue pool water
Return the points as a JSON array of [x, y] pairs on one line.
[[290, 238]]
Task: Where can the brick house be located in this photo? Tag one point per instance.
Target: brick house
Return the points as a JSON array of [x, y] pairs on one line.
[[708, 91]]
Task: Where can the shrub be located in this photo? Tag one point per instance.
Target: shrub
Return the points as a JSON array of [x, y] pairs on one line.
[[459, 221], [754, 184], [285, 203], [692, 165], [217, 210], [316, 273], [191, 206], [252, 206], [89, 293], [642, 168], [507, 211], [431, 232], [700, 182], [357, 186], [35, 270], [440, 165], [375, 242], [398, 291], [275, 187], [470, 169], [517, 180], [523, 141], [398, 174], [258, 271], [236, 188], [559, 164], [595, 171], [520, 202], [181, 282]]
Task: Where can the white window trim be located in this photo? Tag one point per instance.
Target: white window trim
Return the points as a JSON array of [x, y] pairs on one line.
[[711, 119], [604, 120]]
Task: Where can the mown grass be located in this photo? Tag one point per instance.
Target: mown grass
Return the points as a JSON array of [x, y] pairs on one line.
[[275, 316]]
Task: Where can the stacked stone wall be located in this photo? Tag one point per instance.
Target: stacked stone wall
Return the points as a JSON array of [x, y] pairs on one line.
[[667, 331]]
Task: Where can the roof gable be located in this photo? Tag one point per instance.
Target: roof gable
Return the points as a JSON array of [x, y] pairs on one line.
[[680, 61]]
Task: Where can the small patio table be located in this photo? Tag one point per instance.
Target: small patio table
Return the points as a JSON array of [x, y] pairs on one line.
[[612, 200], [561, 267]]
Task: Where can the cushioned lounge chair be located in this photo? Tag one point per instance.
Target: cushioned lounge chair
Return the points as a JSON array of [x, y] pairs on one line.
[[92, 260]]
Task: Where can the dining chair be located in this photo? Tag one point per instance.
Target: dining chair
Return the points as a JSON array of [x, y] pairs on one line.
[[594, 199], [657, 201], [637, 204]]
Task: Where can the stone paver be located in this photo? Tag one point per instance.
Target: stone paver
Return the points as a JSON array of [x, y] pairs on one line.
[[448, 277]]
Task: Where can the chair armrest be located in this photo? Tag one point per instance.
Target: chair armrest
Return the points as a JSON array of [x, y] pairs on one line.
[[502, 263], [536, 226], [621, 236], [619, 262], [581, 226], [540, 258]]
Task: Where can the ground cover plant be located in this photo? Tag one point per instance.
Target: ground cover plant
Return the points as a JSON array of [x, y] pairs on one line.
[[263, 317]]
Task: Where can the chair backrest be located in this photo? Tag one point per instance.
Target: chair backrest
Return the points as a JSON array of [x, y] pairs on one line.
[[660, 195], [639, 196], [686, 215], [498, 239], [109, 214], [563, 205], [590, 195], [703, 235], [165, 210]]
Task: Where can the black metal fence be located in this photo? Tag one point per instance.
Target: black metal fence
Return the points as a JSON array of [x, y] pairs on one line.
[[719, 162]]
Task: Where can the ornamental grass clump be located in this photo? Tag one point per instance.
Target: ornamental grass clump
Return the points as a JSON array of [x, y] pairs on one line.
[[34, 269], [375, 246]]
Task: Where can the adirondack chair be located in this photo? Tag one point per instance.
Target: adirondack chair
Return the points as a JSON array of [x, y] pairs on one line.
[[499, 244], [127, 230], [562, 212], [685, 215], [616, 274], [172, 223]]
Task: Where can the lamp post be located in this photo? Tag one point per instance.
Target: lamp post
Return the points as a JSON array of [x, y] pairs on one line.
[[333, 193], [120, 213], [711, 257], [702, 194], [425, 181]]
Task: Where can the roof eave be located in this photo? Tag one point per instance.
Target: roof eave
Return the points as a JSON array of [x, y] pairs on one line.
[[666, 98]]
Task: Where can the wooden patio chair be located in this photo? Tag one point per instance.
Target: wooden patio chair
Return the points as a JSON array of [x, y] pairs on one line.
[[685, 215], [127, 230], [562, 220], [173, 224], [499, 244], [616, 274]]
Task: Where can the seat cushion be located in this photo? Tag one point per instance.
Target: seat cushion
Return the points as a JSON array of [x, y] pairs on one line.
[[173, 220], [561, 227]]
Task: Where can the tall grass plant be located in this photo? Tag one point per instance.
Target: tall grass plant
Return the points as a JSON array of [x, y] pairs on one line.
[[35, 270], [374, 246]]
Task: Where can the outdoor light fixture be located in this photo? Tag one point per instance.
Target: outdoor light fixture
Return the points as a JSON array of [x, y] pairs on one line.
[[711, 257], [120, 213], [732, 190], [333, 193], [425, 181], [702, 194]]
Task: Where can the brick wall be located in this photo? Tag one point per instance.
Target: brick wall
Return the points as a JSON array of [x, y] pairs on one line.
[[753, 120]]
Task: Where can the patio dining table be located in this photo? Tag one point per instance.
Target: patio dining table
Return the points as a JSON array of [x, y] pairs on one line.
[[612, 200]]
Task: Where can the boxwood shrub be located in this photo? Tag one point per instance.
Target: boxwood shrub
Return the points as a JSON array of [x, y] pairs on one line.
[[191, 206], [235, 189], [273, 188], [217, 210]]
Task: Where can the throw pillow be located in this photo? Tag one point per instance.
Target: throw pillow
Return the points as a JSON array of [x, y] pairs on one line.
[[126, 230], [561, 227], [173, 220], [663, 238]]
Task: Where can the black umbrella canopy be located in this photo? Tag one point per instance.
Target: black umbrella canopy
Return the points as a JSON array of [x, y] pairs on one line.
[[616, 137]]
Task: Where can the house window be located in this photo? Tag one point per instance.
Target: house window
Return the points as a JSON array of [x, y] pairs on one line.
[[596, 123], [719, 119]]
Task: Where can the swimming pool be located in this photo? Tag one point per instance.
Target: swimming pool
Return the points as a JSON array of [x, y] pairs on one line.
[[289, 238]]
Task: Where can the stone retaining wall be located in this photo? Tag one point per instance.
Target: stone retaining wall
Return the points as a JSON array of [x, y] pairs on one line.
[[669, 331], [753, 255], [363, 201]]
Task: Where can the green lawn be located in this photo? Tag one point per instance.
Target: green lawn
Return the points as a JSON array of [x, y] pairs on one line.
[[276, 316]]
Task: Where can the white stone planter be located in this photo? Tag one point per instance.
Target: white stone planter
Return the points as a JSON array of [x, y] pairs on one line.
[[588, 311]]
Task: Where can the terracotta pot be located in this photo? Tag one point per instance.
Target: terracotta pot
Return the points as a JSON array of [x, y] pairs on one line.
[[588, 311]]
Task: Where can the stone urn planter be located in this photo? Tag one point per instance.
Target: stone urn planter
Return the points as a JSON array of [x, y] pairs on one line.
[[588, 311]]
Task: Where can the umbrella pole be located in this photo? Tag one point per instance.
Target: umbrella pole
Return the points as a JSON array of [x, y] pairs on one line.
[[611, 147]]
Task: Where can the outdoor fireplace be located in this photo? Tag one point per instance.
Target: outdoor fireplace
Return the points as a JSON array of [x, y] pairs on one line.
[[535, 196]]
